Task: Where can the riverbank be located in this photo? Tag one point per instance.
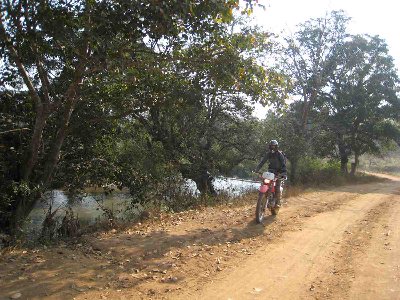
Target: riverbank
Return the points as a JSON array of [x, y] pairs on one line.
[[99, 212]]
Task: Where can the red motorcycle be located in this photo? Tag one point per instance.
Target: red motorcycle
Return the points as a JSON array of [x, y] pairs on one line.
[[267, 196]]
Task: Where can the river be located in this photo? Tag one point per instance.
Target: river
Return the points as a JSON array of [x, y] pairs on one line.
[[88, 211]]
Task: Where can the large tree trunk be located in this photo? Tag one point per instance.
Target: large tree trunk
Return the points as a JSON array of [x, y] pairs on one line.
[[354, 164], [205, 185], [344, 158], [32, 152], [343, 164], [23, 208], [41, 106], [45, 104], [52, 159], [25, 204]]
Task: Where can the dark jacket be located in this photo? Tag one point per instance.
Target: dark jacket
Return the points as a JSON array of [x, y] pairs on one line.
[[276, 162]]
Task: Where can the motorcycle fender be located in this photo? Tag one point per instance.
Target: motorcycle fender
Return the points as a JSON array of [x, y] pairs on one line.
[[263, 188]]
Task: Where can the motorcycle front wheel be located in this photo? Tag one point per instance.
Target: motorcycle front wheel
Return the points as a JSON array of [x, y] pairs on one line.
[[260, 209]]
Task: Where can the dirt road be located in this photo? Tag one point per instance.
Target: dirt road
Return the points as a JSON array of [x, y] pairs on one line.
[[329, 244]]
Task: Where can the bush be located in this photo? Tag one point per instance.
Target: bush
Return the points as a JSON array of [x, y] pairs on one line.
[[175, 194], [315, 171]]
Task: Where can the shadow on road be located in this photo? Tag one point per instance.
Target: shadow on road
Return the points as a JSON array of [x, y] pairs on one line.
[[65, 273]]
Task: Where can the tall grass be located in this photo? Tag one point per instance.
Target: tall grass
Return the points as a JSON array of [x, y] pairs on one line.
[[388, 163]]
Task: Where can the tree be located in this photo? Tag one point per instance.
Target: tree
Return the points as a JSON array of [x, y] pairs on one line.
[[212, 83], [361, 98], [307, 58], [56, 49]]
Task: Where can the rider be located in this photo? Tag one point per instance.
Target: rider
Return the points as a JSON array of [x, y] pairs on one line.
[[277, 165]]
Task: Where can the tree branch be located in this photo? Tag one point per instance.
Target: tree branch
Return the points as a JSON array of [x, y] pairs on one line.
[[32, 152], [71, 97], [13, 130], [21, 67], [42, 74]]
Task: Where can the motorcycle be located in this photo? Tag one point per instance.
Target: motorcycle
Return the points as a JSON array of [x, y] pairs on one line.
[[267, 195]]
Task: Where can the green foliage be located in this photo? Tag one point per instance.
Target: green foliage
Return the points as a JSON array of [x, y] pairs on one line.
[[362, 101], [97, 72], [307, 56], [315, 171], [117, 92], [143, 95], [344, 89]]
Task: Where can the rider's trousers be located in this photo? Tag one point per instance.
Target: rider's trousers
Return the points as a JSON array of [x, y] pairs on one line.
[[278, 191]]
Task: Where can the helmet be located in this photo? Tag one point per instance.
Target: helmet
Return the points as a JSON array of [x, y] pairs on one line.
[[273, 145]]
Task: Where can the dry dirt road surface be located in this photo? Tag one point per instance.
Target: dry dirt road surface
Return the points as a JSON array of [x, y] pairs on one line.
[[337, 243]]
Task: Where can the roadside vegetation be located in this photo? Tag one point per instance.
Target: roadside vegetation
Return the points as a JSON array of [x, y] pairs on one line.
[[387, 163], [141, 95]]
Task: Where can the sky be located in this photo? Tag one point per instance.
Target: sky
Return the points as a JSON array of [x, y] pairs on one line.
[[367, 17]]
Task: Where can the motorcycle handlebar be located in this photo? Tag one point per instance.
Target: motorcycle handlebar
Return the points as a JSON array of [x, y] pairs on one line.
[[284, 177]]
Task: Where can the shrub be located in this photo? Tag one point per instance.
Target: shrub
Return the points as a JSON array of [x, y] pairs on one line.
[[315, 171]]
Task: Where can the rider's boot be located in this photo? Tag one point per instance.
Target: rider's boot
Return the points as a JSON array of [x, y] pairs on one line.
[[278, 200], [278, 195]]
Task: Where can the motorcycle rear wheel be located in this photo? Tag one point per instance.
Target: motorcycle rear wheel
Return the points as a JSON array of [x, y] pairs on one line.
[[261, 207]]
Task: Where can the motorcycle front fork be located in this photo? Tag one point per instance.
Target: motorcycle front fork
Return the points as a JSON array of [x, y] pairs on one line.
[[271, 200]]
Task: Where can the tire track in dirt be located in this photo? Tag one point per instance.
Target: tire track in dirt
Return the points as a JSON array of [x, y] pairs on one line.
[[198, 249], [367, 266], [224, 238], [378, 269], [289, 268], [336, 279]]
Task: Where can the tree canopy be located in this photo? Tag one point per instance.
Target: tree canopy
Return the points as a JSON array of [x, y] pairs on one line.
[[114, 92], [127, 93]]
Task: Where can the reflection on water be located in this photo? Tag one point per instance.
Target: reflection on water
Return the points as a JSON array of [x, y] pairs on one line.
[[234, 187], [87, 208]]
